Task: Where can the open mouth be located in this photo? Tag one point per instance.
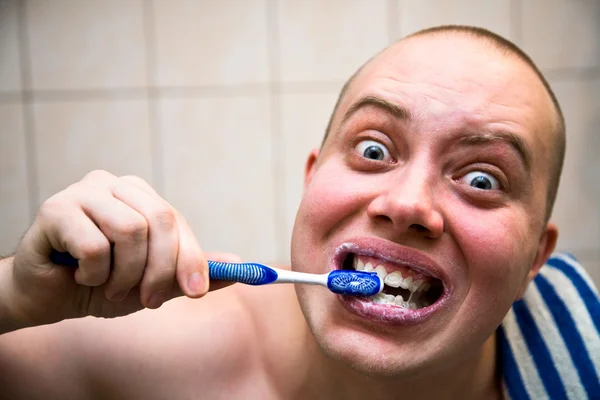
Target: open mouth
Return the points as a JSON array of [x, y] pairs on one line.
[[404, 286]]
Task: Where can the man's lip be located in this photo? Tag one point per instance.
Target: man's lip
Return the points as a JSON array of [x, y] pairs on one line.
[[391, 252], [383, 314]]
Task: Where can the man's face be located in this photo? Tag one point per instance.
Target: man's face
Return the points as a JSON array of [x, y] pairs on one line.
[[436, 168]]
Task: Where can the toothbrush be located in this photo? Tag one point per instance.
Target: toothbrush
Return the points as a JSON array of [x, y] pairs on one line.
[[345, 282]]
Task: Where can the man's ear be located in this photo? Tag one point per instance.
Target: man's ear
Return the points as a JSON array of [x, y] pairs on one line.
[[311, 166], [546, 246]]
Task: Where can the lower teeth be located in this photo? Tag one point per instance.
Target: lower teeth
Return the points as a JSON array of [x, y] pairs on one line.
[[382, 298]]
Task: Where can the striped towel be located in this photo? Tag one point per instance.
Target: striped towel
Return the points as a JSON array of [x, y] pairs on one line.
[[549, 342]]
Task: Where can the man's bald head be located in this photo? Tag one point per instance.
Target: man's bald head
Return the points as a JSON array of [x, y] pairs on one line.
[[505, 47]]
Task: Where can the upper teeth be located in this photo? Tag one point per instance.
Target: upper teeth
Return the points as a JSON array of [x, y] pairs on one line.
[[393, 279]]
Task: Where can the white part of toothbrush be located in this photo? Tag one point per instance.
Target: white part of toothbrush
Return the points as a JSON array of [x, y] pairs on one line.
[[345, 282]]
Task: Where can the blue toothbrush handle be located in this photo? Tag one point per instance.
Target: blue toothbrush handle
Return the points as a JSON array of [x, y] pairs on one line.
[[249, 273]]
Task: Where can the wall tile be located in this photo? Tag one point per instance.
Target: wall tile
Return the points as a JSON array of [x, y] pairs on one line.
[[562, 33], [10, 75], [301, 135], [576, 212], [218, 172], [86, 44], [14, 195], [74, 138], [211, 42], [328, 40], [419, 14]]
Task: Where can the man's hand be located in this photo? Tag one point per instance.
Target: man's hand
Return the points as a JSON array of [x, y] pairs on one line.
[[134, 250]]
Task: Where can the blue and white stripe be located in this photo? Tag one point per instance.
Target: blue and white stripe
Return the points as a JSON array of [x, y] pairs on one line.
[[550, 340]]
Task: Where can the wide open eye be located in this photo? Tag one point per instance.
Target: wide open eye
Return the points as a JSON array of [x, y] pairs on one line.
[[481, 180], [372, 150]]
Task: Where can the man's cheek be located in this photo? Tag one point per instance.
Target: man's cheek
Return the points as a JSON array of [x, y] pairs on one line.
[[498, 256], [490, 234], [334, 194]]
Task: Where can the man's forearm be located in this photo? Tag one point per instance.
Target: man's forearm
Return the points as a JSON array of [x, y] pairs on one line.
[[8, 320]]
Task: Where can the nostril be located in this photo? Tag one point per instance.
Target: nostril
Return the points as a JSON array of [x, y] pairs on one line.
[[385, 218], [419, 228]]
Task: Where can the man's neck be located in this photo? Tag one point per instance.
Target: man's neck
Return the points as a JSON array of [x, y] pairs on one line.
[[476, 378]]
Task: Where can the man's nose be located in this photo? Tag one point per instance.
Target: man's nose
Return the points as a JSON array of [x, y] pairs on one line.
[[406, 201]]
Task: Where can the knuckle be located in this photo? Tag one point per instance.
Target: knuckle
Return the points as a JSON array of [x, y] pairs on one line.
[[133, 179], [136, 229], [98, 174], [139, 183], [48, 207], [165, 218], [94, 249]]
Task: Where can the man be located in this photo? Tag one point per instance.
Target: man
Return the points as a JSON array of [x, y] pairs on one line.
[[441, 165]]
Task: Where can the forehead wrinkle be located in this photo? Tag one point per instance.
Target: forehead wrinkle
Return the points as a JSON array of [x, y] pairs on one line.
[[502, 136], [397, 111]]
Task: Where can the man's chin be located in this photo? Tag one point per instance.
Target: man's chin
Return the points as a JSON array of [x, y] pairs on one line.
[[371, 356], [371, 348]]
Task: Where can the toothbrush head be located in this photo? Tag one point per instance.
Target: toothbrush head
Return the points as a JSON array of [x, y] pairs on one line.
[[354, 283]]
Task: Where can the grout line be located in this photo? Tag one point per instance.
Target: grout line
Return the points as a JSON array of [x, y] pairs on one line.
[[516, 22], [277, 137], [152, 98], [87, 94], [27, 98], [274, 86], [11, 97], [213, 91], [310, 87], [393, 20], [155, 92], [177, 92]]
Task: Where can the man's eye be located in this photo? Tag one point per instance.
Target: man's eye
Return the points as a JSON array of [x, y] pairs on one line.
[[481, 180], [372, 150]]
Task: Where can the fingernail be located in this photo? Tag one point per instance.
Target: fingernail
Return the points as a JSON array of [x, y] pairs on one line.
[[195, 283], [156, 300]]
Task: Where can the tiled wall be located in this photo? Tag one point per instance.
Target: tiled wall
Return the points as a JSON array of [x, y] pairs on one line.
[[217, 102]]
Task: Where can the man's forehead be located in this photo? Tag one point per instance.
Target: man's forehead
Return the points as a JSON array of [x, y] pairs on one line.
[[456, 62], [470, 73]]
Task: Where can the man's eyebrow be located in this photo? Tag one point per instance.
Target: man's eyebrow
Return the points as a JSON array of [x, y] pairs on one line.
[[501, 136], [480, 138], [385, 105]]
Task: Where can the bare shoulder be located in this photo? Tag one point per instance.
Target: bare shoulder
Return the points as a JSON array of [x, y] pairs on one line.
[[187, 345]]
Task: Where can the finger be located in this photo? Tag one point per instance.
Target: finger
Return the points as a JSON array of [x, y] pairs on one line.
[[191, 273], [127, 229], [190, 262], [70, 229], [163, 242], [192, 269]]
